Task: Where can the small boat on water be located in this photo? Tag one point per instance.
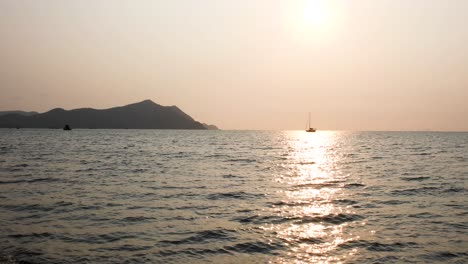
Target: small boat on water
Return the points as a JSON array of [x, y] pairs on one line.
[[309, 128], [67, 127]]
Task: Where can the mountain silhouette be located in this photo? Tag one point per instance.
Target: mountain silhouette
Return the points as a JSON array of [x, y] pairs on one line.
[[18, 112], [143, 115]]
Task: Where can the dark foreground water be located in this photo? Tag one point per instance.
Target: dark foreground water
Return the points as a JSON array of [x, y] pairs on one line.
[[149, 196]]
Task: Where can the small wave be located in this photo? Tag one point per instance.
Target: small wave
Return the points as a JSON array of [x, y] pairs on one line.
[[199, 207], [445, 256], [306, 163], [255, 248], [99, 239], [14, 169], [180, 218], [205, 236], [192, 252], [28, 208], [137, 219], [217, 156], [32, 235], [22, 165], [179, 195], [227, 176], [460, 226], [33, 217], [63, 203], [422, 178], [85, 170], [127, 248], [44, 180], [266, 148], [345, 201], [179, 154], [425, 215], [233, 195], [92, 218], [454, 190], [376, 246], [139, 170], [167, 187], [241, 160], [290, 203], [423, 154], [331, 219], [89, 207], [354, 185], [394, 202], [428, 190], [244, 210], [316, 185], [459, 206], [387, 259], [310, 240], [89, 161], [415, 191], [113, 204], [13, 182], [261, 219], [273, 219], [30, 181]]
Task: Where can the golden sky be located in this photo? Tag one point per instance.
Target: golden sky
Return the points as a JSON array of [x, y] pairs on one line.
[[244, 64]]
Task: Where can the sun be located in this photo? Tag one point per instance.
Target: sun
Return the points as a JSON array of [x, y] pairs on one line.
[[316, 13], [315, 20]]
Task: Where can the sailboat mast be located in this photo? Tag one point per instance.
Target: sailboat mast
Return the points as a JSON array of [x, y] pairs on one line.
[[309, 128]]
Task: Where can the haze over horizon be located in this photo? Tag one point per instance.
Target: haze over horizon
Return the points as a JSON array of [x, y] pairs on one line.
[[248, 64]]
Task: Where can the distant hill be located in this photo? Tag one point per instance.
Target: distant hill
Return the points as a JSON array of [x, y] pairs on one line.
[[142, 115], [210, 127], [18, 112]]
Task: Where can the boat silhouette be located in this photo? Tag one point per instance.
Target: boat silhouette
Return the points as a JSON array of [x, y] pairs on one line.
[[308, 127]]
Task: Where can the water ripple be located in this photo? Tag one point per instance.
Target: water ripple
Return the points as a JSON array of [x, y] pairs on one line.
[[146, 196]]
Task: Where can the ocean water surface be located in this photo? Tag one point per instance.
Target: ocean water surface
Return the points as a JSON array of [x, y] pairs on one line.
[[176, 196]]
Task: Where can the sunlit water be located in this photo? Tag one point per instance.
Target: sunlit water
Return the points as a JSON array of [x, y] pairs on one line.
[[150, 196]]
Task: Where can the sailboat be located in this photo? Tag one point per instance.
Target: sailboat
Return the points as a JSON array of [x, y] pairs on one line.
[[308, 128]]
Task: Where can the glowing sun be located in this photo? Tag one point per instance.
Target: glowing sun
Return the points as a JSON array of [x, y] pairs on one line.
[[316, 13], [315, 20]]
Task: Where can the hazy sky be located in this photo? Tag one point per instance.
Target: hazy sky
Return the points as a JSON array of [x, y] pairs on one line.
[[244, 64]]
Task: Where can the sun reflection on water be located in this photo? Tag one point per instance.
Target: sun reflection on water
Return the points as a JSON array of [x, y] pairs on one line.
[[311, 185]]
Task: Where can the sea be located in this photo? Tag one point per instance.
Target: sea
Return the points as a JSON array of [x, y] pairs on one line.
[[192, 196]]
